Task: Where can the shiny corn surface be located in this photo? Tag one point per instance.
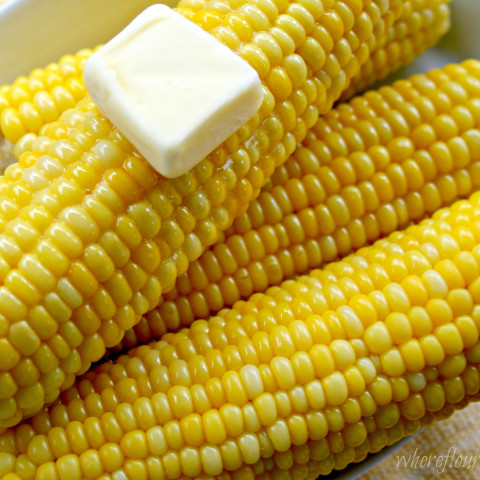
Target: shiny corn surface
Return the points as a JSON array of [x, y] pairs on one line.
[[365, 169], [91, 236], [340, 362]]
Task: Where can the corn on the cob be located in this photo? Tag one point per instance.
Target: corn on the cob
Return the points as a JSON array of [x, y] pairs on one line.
[[418, 29], [92, 236], [338, 191], [34, 101], [386, 339]]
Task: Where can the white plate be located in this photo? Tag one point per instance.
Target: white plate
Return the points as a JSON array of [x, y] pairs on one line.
[[36, 32]]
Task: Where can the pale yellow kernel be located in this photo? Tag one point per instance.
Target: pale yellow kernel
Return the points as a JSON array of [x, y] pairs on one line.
[[412, 354], [335, 387], [252, 381], [433, 350], [266, 408], [392, 362], [283, 372], [381, 390], [378, 338], [343, 354], [450, 339], [399, 327]]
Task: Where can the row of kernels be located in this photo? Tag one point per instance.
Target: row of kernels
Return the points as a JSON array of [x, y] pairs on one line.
[[470, 382], [264, 370]]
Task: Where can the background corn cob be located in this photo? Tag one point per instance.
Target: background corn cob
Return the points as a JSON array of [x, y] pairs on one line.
[[347, 185], [419, 28], [103, 236], [382, 340]]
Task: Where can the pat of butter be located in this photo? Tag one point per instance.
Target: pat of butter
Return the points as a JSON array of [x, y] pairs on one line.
[[172, 89]]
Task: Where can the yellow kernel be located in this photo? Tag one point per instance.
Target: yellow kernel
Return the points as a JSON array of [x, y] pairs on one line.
[[377, 338], [343, 354], [392, 362], [433, 350], [450, 339], [335, 387], [399, 327]]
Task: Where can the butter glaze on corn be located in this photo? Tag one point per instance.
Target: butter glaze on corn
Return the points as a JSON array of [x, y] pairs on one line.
[[364, 170], [342, 361], [92, 236]]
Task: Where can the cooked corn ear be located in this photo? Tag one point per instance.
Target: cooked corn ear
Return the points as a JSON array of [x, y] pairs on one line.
[[365, 169], [342, 362], [34, 101], [92, 236]]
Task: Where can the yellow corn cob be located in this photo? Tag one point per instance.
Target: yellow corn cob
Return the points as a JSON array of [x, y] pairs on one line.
[[345, 186], [344, 361], [418, 29], [92, 236], [34, 101]]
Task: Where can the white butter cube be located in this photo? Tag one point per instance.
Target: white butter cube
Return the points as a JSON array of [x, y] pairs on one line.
[[172, 89]]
